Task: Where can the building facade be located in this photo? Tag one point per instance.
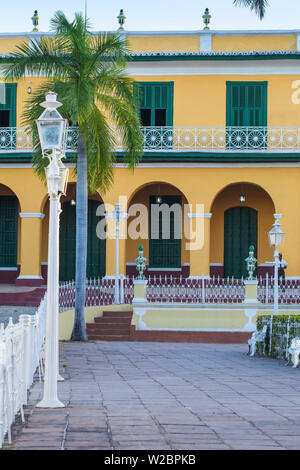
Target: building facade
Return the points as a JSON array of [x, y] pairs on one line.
[[220, 112]]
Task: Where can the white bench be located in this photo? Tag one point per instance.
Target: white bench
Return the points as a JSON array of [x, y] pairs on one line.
[[294, 351], [257, 337]]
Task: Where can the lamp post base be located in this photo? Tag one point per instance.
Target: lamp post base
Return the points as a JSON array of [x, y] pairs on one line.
[[50, 404]]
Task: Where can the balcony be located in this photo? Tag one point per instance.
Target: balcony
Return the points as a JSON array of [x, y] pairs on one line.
[[179, 139]]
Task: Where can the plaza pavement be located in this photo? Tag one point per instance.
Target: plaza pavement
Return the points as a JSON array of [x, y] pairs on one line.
[[169, 396], [14, 312]]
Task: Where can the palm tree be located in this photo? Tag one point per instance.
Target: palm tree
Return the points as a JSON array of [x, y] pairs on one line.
[[259, 6], [87, 71]]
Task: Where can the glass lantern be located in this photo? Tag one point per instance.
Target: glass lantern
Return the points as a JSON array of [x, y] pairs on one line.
[[51, 125], [276, 235]]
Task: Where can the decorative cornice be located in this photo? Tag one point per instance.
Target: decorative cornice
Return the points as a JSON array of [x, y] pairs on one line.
[[205, 55], [216, 53]]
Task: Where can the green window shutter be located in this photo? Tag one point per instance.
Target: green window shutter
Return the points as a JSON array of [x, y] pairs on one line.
[[9, 107], [96, 256], [246, 103], [165, 253], [8, 231], [155, 103], [240, 231]]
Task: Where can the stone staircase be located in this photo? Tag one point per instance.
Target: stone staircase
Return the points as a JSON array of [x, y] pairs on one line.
[[112, 326]]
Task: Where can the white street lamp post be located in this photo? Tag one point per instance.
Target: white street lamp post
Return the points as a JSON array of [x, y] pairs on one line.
[[52, 131], [117, 215], [276, 236]]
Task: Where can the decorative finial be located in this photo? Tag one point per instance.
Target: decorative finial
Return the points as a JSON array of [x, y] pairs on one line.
[[141, 264], [121, 18], [206, 18], [251, 263], [35, 21]]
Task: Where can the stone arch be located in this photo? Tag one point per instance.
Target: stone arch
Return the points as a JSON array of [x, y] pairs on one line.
[[228, 199], [179, 260]]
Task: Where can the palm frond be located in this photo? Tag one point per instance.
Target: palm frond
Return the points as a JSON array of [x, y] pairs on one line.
[[259, 6]]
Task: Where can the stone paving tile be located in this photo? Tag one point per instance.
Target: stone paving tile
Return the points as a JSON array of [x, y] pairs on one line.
[[158, 396]]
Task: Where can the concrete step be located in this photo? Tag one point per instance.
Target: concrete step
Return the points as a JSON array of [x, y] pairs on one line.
[[113, 326], [114, 332], [112, 320], [116, 314]]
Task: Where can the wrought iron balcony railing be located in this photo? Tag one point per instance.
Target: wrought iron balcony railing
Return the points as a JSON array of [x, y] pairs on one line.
[[180, 139]]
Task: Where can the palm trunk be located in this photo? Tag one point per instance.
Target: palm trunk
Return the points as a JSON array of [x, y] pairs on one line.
[[79, 330]]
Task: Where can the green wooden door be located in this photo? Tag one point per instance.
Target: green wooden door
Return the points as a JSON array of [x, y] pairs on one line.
[[165, 252], [96, 257], [8, 105], [240, 231], [8, 231], [96, 254]]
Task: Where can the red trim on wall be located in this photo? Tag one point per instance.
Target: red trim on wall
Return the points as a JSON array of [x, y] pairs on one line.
[[30, 282], [9, 277], [223, 337]]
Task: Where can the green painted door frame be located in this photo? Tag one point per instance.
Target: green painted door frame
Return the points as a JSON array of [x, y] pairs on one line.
[[9, 206], [165, 252], [240, 231]]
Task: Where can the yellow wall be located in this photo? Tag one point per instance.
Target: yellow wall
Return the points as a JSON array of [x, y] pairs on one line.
[[201, 100], [188, 43], [9, 44], [200, 186], [259, 43], [164, 44], [198, 101]]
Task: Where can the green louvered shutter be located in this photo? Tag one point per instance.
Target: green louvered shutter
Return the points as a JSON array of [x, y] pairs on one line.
[[8, 107], [240, 231], [156, 103], [96, 256], [247, 107], [246, 104], [8, 231], [165, 253]]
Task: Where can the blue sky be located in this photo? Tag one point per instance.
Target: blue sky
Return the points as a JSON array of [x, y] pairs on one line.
[[152, 15]]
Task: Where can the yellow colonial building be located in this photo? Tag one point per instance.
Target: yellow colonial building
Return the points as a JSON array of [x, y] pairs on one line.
[[220, 112]]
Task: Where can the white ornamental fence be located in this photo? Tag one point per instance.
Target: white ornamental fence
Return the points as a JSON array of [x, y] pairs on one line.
[[178, 139], [159, 289], [288, 290], [195, 289], [98, 292], [21, 354]]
